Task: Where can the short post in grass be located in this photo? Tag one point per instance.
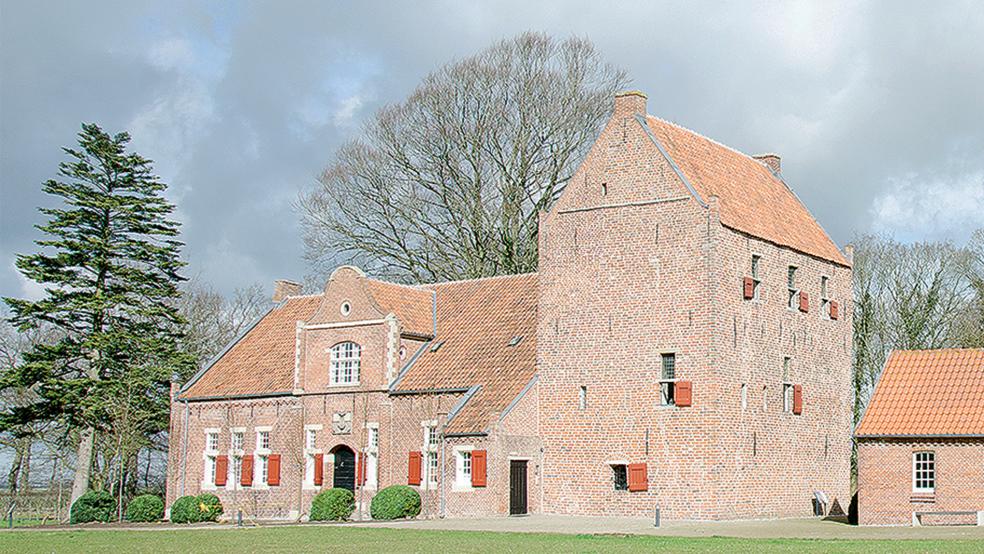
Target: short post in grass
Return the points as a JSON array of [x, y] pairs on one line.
[[239, 518], [656, 518]]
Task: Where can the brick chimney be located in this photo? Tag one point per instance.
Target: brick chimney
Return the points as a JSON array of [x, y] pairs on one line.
[[771, 161], [282, 288], [629, 103]]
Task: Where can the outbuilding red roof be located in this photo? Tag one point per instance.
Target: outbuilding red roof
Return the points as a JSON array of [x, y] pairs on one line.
[[929, 393]]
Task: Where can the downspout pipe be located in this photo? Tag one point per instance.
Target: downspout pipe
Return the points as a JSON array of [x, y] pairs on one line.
[[184, 450]]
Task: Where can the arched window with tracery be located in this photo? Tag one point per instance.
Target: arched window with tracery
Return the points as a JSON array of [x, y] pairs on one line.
[[345, 363]]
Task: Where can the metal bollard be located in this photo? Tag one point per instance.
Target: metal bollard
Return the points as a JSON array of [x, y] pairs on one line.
[[239, 518], [656, 521]]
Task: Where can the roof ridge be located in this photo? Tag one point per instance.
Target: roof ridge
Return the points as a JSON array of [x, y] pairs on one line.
[[948, 349], [504, 276], [707, 138], [404, 285]]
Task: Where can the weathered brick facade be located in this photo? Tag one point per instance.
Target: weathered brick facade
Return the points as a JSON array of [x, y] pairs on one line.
[[885, 488], [640, 258], [633, 267]]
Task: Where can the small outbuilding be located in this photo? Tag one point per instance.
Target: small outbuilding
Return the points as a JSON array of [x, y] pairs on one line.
[[921, 441]]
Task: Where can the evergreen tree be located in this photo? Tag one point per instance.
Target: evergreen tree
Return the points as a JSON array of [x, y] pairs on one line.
[[109, 264]]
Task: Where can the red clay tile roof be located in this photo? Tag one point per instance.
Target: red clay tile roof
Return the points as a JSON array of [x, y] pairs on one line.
[[928, 393], [751, 198], [476, 321], [262, 361], [413, 306]]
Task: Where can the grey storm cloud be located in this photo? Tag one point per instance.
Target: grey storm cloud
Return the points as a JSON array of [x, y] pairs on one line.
[[876, 108]]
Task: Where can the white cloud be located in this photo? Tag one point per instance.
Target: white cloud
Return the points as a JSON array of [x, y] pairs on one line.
[[30, 290], [920, 208], [347, 109], [172, 53]]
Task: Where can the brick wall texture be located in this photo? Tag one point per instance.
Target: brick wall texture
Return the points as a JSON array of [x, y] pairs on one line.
[[885, 481], [632, 267]]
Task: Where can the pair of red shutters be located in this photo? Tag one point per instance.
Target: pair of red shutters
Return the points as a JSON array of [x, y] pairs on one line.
[[246, 479], [479, 468], [748, 287]]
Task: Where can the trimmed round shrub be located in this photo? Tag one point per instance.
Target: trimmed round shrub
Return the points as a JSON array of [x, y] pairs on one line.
[[185, 510], [144, 508], [93, 506], [333, 505], [209, 507], [395, 502]]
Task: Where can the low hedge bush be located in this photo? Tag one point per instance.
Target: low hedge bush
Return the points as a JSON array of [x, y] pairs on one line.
[[333, 505], [145, 508], [395, 502], [93, 506], [209, 506], [185, 510]]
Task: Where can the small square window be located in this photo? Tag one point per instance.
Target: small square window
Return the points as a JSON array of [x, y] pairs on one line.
[[212, 442], [787, 397], [263, 440], [620, 477]]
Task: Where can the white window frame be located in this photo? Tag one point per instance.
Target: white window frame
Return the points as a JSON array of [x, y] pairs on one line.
[[235, 457], [787, 397], [210, 455], [261, 459], [310, 453], [667, 385], [756, 266], [928, 473], [341, 360], [792, 290], [825, 296], [372, 456], [462, 478]]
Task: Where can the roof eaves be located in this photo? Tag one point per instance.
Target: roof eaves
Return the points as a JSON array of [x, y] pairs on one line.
[[641, 119], [234, 396], [441, 390], [198, 375], [923, 436]]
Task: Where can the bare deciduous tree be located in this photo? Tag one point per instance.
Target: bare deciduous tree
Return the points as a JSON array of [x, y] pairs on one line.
[[214, 320], [449, 184]]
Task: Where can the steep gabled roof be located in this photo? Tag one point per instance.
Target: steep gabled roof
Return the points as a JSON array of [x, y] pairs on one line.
[[262, 360], [927, 393], [751, 197], [477, 322]]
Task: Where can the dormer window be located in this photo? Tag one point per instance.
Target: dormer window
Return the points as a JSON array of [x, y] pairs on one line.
[[345, 363]]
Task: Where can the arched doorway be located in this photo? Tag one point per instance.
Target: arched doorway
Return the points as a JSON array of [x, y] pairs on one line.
[[343, 474]]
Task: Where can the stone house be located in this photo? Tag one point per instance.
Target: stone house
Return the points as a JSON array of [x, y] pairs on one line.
[[685, 344], [921, 441]]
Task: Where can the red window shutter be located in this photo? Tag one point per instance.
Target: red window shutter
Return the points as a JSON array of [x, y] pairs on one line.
[[638, 478], [247, 471], [797, 399], [683, 393], [413, 472], [221, 470], [834, 310], [319, 469], [804, 302], [479, 468], [273, 470], [360, 468], [748, 286]]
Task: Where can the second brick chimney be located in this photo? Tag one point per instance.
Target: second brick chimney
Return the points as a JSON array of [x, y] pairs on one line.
[[771, 161], [282, 288], [629, 103]]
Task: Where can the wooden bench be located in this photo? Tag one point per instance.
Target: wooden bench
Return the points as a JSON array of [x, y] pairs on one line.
[[917, 516]]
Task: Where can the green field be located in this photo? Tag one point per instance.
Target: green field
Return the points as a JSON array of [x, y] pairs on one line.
[[349, 539]]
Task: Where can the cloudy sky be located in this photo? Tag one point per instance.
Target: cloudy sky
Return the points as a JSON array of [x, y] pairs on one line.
[[876, 108]]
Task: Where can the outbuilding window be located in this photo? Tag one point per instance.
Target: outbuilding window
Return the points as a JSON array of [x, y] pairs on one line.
[[463, 469], [924, 472], [345, 363], [791, 288], [756, 280]]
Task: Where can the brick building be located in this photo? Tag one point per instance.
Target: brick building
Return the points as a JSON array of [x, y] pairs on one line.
[[921, 441], [685, 344]]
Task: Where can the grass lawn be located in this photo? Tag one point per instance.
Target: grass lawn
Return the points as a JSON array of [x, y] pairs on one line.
[[348, 539]]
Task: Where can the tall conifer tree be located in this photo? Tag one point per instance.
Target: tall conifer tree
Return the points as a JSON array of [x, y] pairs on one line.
[[109, 265]]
